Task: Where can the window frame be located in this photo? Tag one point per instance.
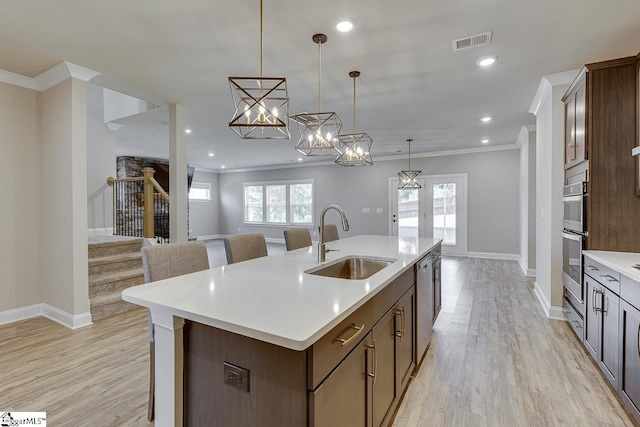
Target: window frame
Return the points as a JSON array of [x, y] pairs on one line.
[[200, 185], [288, 206]]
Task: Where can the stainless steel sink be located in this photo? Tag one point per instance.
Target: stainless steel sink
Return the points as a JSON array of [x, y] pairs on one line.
[[352, 268]]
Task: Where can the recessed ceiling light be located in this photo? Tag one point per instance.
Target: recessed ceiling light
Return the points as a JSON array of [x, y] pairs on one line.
[[223, 166], [211, 154], [345, 25], [484, 141], [485, 62], [299, 159], [188, 131], [486, 119]]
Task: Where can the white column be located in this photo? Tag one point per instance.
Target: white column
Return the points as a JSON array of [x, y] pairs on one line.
[[169, 369], [178, 173]]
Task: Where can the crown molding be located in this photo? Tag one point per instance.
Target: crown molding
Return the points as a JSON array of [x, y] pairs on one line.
[[113, 126], [547, 83], [49, 78]]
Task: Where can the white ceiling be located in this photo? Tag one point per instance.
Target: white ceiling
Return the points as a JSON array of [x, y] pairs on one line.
[[412, 84]]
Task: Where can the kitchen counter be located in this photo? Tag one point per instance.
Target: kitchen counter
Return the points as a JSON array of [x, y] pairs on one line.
[[619, 261], [270, 299]]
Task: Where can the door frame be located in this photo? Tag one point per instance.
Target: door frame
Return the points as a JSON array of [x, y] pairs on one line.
[[393, 188]]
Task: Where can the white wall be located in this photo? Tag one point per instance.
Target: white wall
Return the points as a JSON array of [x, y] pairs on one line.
[[101, 162], [527, 194], [493, 203], [549, 110], [19, 257], [203, 215], [62, 242]]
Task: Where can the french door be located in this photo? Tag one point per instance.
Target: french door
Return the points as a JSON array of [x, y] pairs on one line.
[[438, 209]]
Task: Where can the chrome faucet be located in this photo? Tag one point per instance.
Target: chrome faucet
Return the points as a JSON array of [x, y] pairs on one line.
[[322, 251]]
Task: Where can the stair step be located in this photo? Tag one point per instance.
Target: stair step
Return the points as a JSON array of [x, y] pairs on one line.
[[114, 247], [113, 263], [106, 283], [109, 305]]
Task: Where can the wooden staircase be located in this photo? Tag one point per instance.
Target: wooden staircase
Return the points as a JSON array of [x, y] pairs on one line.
[[114, 265]]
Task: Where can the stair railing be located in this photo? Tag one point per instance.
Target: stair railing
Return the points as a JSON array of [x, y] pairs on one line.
[[140, 207]]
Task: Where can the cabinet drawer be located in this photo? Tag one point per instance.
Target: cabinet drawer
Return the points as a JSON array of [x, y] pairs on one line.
[[604, 275], [328, 351], [575, 320], [630, 291], [390, 295]]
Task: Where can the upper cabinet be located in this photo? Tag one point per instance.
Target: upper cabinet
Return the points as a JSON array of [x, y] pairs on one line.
[[575, 149], [600, 132]]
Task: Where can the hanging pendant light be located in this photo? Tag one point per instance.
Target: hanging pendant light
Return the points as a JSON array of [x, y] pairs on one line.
[[355, 147], [318, 131], [409, 178], [261, 104]]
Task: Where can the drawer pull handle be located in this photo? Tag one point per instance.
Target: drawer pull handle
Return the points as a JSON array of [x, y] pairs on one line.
[[578, 325], [598, 292], [591, 268], [375, 362], [638, 342], [608, 278], [348, 341]]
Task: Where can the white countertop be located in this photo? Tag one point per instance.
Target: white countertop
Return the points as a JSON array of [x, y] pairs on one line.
[[619, 261], [272, 299]]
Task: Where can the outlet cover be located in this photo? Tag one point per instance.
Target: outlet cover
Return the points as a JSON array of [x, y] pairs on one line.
[[236, 376], [365, 210], [379, 210]]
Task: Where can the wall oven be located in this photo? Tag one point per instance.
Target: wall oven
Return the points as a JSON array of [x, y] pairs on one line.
[[573, 234]]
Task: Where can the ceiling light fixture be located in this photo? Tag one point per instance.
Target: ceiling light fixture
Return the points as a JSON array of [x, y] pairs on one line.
[[485, 62], [486, 119], [261, 104], [188, 131], [355, 147], [318, 131], [409, 178], [211, 154], [345, 25], [485, 141]]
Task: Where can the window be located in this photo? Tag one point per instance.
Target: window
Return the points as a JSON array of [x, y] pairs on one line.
[[279, 203], [200, 191]]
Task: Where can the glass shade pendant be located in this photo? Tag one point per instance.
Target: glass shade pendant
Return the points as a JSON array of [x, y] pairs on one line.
[[261, 104], [409, 178], [318, 131], [355, 147]]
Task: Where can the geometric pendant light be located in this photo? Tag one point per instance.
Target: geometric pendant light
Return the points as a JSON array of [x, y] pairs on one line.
[[261, 104], [409, 178], [355, 147], [318, 131]]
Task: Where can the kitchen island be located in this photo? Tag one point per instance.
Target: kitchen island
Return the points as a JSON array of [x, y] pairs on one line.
[[253, 342]]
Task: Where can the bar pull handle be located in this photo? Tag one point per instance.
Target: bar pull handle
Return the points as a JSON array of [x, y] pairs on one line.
[[638, 342], [346, 342], [608, 278], [598, 292], [398, 312], [375, 361], [404, 321], [591, 267]]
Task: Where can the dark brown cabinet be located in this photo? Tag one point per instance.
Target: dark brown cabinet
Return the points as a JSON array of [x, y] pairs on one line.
[[342, 399], [405, 331], [592, 320], [575, 150], [437, 284], [600, 132]]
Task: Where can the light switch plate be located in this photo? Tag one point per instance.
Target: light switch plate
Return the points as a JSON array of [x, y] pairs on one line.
[[379, 210], [365, 210]]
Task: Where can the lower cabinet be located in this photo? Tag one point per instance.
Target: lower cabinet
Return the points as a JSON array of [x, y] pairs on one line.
[[342, 399], [601, 327], [630, 357]]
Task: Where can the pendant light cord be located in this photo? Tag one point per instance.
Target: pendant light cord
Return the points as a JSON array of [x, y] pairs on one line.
[[354, 105], [319, 76], [409, 140], [261, 46]]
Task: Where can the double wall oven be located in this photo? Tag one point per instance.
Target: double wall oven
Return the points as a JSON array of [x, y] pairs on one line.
[[573, 235]]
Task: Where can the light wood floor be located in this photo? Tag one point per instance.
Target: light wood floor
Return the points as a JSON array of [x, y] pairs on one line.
[[495, 360]]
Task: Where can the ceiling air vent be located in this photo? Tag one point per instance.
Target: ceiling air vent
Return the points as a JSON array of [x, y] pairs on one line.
[[472, 41]]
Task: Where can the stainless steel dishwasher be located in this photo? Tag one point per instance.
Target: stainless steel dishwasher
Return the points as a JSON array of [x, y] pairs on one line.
[[424, 302]]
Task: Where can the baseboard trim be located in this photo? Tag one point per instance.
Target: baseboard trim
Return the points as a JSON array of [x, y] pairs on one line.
[[211, 237], [71, 321], [59, 316], [550, 311], [491, 255], [93, 232], [529, 272], [274, 240], [22, 313]]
